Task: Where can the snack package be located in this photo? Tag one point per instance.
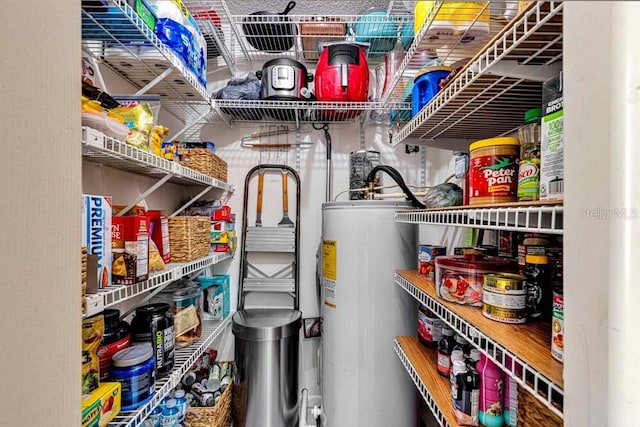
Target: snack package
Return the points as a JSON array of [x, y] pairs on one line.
[[92, 331], [156, 262], [157, 138], [140, 113], [130, 241]]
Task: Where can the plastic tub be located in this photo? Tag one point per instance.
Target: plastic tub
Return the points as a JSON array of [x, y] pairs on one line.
[[185, 303], [134, 369], [455, 19], [426, 85], [105, 124], [460, 279], [376, 27], [493, 174]]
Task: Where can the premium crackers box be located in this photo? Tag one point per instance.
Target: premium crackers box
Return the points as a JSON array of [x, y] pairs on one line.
[[96, 234]]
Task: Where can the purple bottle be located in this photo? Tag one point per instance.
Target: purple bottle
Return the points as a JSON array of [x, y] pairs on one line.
[[491, 393]]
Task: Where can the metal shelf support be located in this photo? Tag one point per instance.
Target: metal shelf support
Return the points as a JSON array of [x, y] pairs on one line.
[[160, 77], [193, 199], [144, 195], [514, 69]]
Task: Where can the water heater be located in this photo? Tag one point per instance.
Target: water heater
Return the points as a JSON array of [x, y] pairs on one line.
[[363, 381]]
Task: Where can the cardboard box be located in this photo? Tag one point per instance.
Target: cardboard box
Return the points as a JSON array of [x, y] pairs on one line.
[[101, 406], [219, 237], [426, 256], [217, 303], [130, 236], [552, 140], [222, 213], [220, 226], [159, 229], [96, 235]]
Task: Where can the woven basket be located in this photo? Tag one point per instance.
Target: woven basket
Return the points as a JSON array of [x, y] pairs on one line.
[[204, 161], [216, 416], [532, 413], [189, 237]]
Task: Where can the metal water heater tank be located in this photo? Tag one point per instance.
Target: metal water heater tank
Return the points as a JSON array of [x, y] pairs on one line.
[[363, 381]]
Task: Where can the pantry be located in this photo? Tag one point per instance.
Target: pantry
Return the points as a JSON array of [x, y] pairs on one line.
[[54, 159]]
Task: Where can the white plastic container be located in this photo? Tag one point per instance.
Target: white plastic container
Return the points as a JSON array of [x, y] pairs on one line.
[[106, 125]]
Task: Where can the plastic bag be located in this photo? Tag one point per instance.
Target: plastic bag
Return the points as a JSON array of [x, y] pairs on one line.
[[443, 195], [248, 87], [140, 114]]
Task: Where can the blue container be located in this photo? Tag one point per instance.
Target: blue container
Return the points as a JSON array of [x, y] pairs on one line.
[[378, 29], [133, 368], [426, 86]]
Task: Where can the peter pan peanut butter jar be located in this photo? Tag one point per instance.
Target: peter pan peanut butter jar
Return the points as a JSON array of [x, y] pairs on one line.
[[493, 171]]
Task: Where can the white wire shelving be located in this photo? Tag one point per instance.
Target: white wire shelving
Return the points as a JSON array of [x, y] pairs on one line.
[[99, 148], [183, 360], [534, 219], [490, 94], [521, 351], [116, 294]]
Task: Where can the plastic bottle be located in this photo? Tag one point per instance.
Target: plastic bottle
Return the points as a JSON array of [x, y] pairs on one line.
[[491, 392], [155, 417], [456, 356], [181, 403], [511, 394], [529, 167], [429, 327], [462, 344], [170, 414], [539, 294], [465, 393], [445, 346]]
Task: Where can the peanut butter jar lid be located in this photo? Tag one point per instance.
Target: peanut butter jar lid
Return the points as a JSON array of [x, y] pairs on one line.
[[502, 140]]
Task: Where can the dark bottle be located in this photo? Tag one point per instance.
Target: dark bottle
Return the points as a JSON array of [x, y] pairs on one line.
[[445, 347], [538, 287], [462, 344], [153, 323]]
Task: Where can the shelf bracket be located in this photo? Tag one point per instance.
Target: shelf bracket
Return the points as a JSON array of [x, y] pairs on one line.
[[187, 127], [193, 199], [142, 196], [160, 77], [511, 68]]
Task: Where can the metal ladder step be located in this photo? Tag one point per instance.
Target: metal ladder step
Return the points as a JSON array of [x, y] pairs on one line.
[[271, 285], [270, 239]]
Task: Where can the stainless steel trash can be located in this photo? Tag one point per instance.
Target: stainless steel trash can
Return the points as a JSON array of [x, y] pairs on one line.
[[266, 357]]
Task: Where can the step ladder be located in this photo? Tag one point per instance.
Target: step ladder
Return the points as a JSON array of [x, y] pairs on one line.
[[273, 246]]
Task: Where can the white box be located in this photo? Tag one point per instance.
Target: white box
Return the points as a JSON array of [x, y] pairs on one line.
[[96, 234]]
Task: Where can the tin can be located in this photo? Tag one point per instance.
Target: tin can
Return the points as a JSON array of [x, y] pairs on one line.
[[503, 282], [557, 326], [504, 298]]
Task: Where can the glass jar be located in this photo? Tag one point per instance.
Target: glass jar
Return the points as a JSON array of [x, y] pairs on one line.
[[185, 302]]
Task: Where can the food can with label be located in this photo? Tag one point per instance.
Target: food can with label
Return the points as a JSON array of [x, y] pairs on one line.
[[493, 171], [504, 298], [557, 325]]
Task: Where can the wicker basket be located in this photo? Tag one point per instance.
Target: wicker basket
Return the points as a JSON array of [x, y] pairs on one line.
[[216, 416], [204, 161], [532, 413], [189, 237]]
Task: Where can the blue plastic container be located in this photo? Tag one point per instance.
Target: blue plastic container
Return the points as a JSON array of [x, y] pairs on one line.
[[426, 86], [133, 368]]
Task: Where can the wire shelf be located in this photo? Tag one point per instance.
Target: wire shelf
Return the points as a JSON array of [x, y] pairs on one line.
[[410, 365], [491, 93], [529, 375], [301, 37], [116, 294], [308, 112], [120, 38], [99, 148], [533, 219], [183, 360]]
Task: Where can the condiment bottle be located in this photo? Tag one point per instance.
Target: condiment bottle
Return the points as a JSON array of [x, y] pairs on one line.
[[429, 327], [529, 167], [465, 393], [445, 346], [461, 344], [537, 286]]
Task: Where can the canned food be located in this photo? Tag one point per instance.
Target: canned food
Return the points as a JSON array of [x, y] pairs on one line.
[[504, 283], [504, 315]]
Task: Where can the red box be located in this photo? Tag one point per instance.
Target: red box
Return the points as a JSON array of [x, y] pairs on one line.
[[159, 229], [130, 248], [223, 213], [426, 257]]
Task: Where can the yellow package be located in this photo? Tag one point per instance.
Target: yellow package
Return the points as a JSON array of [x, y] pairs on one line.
[[101, 406], [92, 331]]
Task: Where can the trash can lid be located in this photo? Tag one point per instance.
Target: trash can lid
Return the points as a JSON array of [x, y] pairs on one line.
[[266, 324]]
